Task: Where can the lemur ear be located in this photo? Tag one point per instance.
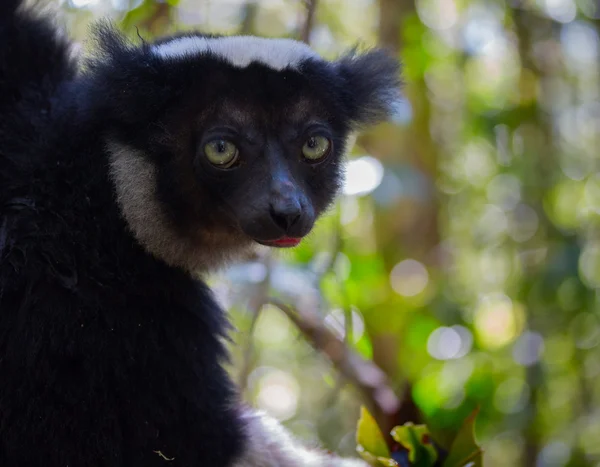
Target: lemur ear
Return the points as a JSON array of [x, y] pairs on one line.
[[372, 82], [129, 84]]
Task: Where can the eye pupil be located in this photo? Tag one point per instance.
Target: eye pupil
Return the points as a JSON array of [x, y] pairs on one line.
[[316, 148], [221, 153]]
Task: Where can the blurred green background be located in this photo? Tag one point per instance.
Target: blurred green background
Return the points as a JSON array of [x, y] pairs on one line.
[[463, 259]]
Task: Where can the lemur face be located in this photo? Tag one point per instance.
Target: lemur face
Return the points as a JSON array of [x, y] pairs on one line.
[[239, 139], [273, 172], [265, 152]]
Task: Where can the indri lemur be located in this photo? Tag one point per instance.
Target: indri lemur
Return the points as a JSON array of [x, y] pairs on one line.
[[124, 174]]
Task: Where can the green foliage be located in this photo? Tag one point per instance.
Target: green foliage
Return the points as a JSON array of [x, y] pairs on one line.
[[150, 17], [416, 446], [417, 440]]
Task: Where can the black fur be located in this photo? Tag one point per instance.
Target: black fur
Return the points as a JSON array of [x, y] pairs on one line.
[[109, 357]]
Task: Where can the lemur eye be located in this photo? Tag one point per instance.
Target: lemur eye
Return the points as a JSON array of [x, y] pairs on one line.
[[221, 153], [316, 147]]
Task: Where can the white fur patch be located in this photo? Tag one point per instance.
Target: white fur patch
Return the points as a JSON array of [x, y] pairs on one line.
[[271, 445], [240, 51], [134, 179]]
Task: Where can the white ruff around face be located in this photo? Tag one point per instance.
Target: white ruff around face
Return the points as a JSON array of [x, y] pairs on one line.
[[240, 51]]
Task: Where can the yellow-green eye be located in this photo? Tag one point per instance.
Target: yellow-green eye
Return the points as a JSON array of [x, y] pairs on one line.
[[316, 147], [221, 153]]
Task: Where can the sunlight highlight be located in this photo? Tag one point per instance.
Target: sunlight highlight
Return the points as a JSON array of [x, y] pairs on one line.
[[278, 394], [497, 321], [363, 175]]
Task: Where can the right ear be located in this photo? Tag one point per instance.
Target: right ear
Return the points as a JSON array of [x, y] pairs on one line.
[[372, 82]]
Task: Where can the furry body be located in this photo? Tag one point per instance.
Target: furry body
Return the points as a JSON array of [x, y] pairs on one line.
[[110, 350], [100, 365]]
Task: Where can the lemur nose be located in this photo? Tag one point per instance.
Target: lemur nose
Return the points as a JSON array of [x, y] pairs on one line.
[[286, 211]]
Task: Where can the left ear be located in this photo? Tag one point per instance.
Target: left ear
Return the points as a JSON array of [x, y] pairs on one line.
[[372, 85]]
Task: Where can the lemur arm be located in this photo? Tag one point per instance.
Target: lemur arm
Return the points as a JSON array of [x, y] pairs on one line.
[[271, 445]]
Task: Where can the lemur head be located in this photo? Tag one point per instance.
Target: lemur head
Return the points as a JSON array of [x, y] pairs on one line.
[[217, 143]]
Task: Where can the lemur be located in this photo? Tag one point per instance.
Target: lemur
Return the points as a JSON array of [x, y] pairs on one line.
[[124, 177]]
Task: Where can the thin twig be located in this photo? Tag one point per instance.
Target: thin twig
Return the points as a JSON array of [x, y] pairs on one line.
[[309, 21]]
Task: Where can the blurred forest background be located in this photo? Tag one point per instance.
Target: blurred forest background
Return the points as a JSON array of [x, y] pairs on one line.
[[461, 267]]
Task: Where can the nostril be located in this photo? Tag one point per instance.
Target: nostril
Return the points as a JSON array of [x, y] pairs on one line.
[[285, 219]]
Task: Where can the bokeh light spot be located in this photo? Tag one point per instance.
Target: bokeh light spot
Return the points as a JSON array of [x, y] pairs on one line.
[[580, 43], [272, 328], [592, 193], [409, 278], [497, 321], [278, 394], [523, 223], [563, 11], [585, 330], [492, 224], [504, 190], [363, 175], [554, 454], [589, 265], [437, 14], [447, 343], [528, 348]]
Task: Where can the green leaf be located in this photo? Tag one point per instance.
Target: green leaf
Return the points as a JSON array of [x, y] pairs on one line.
[[464, 451], [385, 462], [376, 461], [369, 437], [417, 440]]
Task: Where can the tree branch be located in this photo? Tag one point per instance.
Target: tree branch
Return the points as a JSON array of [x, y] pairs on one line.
[[309, 22], [363, 374]]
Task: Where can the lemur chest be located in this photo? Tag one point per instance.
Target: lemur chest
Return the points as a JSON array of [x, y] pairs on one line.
[[165, 371], [132, 377]]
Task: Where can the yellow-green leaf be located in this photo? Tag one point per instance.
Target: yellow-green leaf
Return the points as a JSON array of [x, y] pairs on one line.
[[369, 436], [375, 461], [386, 462]]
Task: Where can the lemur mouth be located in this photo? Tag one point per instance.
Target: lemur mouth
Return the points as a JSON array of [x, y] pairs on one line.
[[283, 242]]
